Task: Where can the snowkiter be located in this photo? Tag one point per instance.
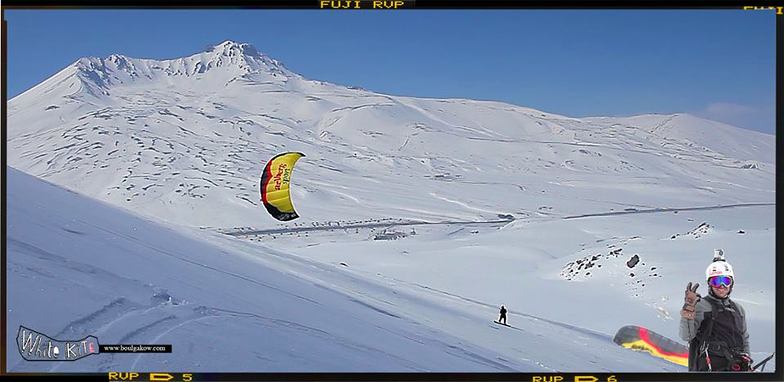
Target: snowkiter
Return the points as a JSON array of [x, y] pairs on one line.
[[714, 325], [502, 319]]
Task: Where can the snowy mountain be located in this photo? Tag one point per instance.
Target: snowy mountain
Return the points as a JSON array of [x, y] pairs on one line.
[[186, 140], [439, 210]]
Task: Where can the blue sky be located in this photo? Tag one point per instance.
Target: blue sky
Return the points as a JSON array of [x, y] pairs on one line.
[[718, 64]]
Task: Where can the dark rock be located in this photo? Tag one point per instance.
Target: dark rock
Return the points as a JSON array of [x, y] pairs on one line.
[[633, 261]]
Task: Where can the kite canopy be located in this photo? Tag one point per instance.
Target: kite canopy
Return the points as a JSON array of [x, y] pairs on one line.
[[274, 186], [639, 338]]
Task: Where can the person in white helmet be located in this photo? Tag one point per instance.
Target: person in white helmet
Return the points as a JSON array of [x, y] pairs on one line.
[[714, 325]]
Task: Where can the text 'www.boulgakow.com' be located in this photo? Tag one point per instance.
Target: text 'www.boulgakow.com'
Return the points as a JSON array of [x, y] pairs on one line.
[[125, 348]]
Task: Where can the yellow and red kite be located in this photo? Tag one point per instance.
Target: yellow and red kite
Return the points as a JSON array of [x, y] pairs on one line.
[[639, 338], [274, 187]]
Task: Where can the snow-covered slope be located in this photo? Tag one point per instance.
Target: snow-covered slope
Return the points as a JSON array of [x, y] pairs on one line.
[[78, 267], [432, 211], [701, 135]]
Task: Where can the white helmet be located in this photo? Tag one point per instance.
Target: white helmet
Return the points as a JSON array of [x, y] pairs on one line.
[[719, 266]]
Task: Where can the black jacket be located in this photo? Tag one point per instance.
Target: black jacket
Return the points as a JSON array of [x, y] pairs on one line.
[[719, 327]]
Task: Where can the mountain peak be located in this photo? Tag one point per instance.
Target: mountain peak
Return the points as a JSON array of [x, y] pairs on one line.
[[243, 57], [231, 48], [225, 61]]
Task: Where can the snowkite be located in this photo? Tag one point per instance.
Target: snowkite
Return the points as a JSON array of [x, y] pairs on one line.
[[274, 186], [639, 338]]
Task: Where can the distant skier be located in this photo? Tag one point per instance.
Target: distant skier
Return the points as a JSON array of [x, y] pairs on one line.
[[502, 319], [715, 326]]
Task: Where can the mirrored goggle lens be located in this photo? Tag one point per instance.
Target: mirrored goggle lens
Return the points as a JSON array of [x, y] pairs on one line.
[[717, 281]]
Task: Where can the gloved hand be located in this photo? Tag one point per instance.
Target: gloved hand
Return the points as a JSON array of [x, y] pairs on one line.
[[746, 360], [691, 298], [741, 362]]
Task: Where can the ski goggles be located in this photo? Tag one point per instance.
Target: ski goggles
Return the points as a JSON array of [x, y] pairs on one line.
[[719, 281]]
